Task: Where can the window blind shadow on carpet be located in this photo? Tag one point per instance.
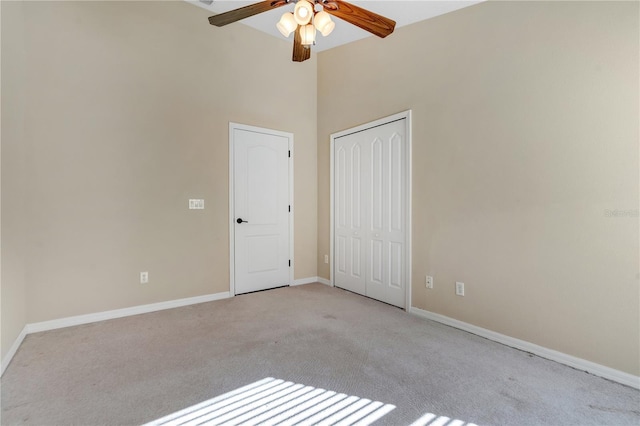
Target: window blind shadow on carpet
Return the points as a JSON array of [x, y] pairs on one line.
[[273, 401], [277, 402]]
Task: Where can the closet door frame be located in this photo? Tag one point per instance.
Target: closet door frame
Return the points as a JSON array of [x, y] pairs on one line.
[[406, 115]]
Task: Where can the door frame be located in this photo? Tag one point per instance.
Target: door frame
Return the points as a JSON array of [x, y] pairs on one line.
[[408, 191], [289, 136]]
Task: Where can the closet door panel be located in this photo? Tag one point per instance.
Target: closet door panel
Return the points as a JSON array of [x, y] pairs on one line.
[[349, 210], [387, 192]]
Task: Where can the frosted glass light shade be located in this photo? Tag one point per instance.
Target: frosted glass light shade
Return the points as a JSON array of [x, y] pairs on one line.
[[287, 24], [303, 12], [308, 35], [323, 23]]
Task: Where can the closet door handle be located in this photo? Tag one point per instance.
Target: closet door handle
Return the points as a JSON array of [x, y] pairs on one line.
[[241, 221]]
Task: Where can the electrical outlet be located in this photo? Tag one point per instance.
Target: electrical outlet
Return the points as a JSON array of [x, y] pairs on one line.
[[459, 289], [326, 258], [428, 281], [144, 277]]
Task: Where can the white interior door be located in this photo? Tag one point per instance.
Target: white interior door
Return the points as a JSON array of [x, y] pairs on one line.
[[371, 211], [260, 208]]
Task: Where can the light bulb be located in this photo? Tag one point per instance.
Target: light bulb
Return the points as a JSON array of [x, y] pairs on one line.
[[303, 12], [308, 35], [287, 24], [323, 23]]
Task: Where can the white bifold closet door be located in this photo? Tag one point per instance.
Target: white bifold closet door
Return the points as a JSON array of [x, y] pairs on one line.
[[369, 215]]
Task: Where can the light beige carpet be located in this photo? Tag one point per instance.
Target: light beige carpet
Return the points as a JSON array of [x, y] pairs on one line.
[[139, 369]]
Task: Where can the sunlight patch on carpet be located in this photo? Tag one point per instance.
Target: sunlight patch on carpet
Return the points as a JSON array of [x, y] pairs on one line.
[[277, 402], [431, 419]]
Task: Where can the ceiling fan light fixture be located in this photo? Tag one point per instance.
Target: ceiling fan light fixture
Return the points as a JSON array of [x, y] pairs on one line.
[[323, 23], [307, 17], [303, 12], [287, 24], [308, 35]]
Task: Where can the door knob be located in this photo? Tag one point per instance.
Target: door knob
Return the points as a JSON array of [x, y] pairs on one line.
[[241, 221]]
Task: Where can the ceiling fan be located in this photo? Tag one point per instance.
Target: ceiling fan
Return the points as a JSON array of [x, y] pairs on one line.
[[305, 20]]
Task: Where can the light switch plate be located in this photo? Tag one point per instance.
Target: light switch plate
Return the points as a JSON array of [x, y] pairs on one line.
[[196, 204]]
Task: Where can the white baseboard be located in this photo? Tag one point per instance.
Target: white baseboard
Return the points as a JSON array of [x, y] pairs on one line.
[[325, 281], [310, 280], [303, 281], [119, 313], [12, 351], [106, 315], [562, 358]]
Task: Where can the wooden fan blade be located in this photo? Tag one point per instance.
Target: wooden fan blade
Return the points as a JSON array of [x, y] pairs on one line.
[[300, 52], [225, 18], [368, 21]]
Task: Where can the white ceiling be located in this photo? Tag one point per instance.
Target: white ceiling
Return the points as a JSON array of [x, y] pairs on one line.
[[401, 11]]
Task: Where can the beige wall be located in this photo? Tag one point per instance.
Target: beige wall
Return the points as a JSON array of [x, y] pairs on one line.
[[12, 226], [525, 130], [127, 112]]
